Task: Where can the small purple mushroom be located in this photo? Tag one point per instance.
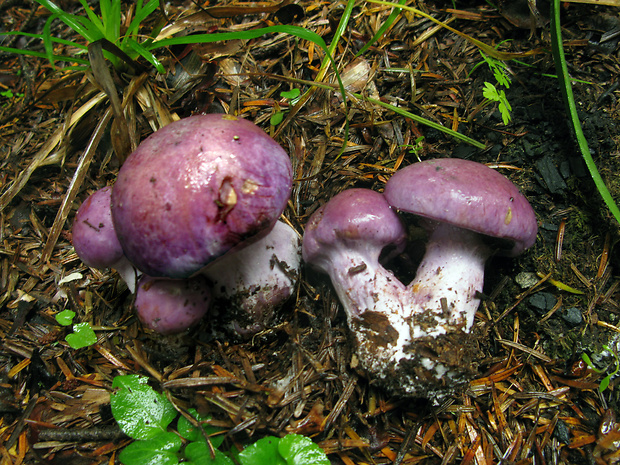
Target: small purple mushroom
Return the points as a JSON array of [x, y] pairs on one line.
[[196, 189], [470, 211], [94, 238], [345, 239], [252, 283], [171, 306]]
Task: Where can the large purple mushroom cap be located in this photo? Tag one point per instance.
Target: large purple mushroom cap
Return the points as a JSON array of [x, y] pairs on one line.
[[467, 195], [197, 188], [171, 306], [93, 235]]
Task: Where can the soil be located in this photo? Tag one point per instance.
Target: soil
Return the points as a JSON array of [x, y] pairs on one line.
[[532, 400]]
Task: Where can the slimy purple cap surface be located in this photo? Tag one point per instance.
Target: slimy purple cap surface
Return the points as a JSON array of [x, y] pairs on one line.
[[466, 194], [195, 189], [354, 218]]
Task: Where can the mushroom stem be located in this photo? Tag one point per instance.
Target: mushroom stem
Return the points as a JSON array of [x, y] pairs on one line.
[[448, 280], [374, 301]]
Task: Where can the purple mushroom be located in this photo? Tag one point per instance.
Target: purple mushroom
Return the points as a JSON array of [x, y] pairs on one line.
[[196, 189], [94, 238], [469, 211], [171, 306], [252, 283], [345, 239], [417, 340]]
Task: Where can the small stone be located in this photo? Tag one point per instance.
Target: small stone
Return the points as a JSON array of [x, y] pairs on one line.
[[526, 279], [550, 175], [543, 301], [562, 432], [572, 316]]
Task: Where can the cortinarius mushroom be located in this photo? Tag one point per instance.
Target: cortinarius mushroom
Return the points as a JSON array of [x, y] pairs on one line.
[[170, 306], [345, 239], [415, 340], [470, 211], [94, 238], [196, 189], [255, 281]]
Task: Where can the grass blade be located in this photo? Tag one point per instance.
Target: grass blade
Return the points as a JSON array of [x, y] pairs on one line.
[[384, 27], [569, 101]]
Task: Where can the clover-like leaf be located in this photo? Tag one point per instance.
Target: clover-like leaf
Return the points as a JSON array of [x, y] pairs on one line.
[[300, 450], [199, 453], [82, 336], [191, 433], [262, 452], [140, 412], [162, 449], [65, 318]]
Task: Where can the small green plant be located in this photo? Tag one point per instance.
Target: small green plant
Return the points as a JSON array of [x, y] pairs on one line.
[[607, 379], [416, 148], [145, 415], [292, 96], [106, 26], [495, 93], [82, 335]]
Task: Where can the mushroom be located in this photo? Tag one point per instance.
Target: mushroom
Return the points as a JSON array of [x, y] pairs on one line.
[[196, 189], [418, 340], [94, 238], [345, 238], [469, 211], [171, 306], [255, 281]]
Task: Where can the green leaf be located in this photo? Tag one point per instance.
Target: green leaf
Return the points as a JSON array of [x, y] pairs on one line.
[[290, 94], [160, 450], [604, 383], [65, 318], [490, 92], [200, 453], [191, 433], [262, 452], [140, 412], [300, 450], [82, 336], [276, 118]]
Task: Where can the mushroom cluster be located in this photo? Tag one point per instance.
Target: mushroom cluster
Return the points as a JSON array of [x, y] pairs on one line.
[[193, 195], [416, 339]]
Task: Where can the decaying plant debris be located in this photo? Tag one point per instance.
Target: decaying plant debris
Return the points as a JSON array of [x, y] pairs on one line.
[[534, 401]]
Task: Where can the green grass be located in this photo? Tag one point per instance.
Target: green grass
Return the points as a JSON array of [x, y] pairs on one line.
[[571, 107]]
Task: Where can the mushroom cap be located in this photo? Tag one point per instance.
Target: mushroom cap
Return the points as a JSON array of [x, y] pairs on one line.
[[468, 195], [195, 189], [93, 235], [353, 219], [171, 306]]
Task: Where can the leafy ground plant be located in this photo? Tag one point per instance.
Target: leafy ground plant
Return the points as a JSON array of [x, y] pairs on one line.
[[146, 415], [610, 374], [82, 335], [497, 92]]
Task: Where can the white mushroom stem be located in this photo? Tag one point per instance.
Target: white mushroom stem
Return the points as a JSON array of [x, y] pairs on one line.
[[259, 278], [127, 272], [375, 302], [448, 280]]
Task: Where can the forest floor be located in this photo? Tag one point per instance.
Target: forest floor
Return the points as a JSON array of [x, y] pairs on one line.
[[534, 400]]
